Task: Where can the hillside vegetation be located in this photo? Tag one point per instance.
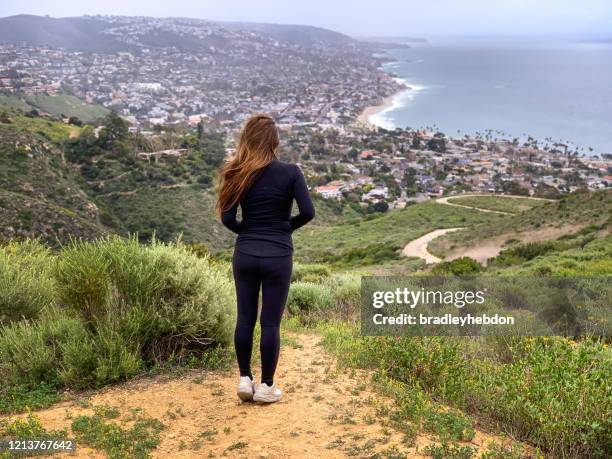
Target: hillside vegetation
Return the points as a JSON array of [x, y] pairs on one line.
[[61, 105], [98, 312], [498, 203], [59, 181], [568, 215], [380, 237], [40, 195]]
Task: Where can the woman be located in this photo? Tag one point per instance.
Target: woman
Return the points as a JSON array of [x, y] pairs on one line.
[[265, 189]]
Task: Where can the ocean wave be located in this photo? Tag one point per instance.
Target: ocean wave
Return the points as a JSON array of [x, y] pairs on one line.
[[384, 117]]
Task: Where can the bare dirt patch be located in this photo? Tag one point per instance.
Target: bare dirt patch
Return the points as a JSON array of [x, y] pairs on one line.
[[491, 247]]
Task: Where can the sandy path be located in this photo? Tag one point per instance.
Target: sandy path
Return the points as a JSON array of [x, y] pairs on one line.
[[418, 247], [481, 253], [323, 414], [446, 202]]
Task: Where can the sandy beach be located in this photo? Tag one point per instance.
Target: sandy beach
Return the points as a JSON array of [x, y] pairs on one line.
[[364, 116]]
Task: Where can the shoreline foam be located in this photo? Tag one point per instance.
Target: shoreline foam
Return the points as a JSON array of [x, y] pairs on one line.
[[373, 116], [368, 112]]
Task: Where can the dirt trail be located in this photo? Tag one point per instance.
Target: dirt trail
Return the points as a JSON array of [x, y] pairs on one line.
[[445, 201], [323, 413], [481, 253], [418, 247]]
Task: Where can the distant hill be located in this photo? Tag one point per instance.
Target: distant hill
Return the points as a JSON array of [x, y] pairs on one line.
[[49, 190], [74, 34], [104, 35], [293, 33], [40, 195], [60, 105]]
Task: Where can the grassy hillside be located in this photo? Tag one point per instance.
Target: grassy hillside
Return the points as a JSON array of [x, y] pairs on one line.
[[551, 220], [58, 181], [61, 105], [40, 194], [498, 203], [380, 237]]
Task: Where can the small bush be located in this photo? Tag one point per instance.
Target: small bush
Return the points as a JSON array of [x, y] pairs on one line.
[[367, 255], [307, 297], [119, 307], [26, 282], [458, 267], [346, 289], [521, 253], [309, 272]]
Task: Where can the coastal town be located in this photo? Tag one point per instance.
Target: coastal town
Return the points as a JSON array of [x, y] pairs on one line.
[[371, 165], [321, 95], [204, 70]]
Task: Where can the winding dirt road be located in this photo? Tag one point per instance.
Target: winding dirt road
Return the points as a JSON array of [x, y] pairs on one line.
[[445, 201], [418, 247]]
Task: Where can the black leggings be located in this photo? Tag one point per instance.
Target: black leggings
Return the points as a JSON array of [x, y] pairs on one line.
[[273, 275]]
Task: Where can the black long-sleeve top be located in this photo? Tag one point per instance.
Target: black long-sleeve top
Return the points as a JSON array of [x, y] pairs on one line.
[[266, 225]]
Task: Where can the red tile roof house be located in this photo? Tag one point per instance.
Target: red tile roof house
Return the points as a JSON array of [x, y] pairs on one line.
[[329, 192]]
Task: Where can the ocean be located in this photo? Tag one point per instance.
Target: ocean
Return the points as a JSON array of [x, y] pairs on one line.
[[552, 91]]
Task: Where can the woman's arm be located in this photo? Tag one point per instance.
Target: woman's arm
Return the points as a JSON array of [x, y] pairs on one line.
[[228, 218], [302, 197]]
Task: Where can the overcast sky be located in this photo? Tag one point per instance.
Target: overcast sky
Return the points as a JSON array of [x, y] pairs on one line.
[[363, 17]]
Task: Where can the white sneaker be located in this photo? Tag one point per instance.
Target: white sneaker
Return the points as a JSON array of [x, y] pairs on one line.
[[245, 388], [267, 394]]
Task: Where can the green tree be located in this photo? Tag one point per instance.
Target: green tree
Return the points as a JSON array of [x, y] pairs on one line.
[[75, 120], [114, 132]]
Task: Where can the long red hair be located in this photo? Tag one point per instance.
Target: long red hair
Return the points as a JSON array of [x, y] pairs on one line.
[[256, 149]]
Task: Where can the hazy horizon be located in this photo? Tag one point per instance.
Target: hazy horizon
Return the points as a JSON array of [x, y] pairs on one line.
[[360, 18]]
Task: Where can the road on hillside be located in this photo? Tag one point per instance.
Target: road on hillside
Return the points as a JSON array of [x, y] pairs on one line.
[[418, 247], [446, 202]]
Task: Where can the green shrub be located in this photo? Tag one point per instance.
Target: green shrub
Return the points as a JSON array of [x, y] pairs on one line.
[[458, 267], [121, 307], [308, 297], [26, 282], [161, 295], [309, 272], [32, 350], [346, 289], [367, 255], [521, 253]]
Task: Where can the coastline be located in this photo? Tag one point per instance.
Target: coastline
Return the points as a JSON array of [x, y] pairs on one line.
[[388, 102], [364, 116]]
